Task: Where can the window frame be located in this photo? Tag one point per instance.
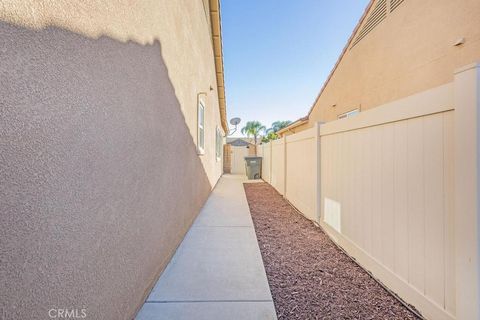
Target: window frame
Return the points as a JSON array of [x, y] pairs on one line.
[[349, 114], [201, 126], [218, 144]]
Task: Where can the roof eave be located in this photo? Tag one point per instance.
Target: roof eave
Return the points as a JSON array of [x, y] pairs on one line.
[[218, 57], [293, 125], [367, 9]]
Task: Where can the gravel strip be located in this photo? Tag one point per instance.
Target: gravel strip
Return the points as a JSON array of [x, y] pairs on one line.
[[310, 278]]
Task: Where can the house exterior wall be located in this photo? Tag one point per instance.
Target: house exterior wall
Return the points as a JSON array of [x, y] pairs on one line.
[[181, 27], [99, 173], [412, 50]]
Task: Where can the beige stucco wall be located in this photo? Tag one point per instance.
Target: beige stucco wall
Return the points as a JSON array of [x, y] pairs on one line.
[[182, 28], [99, 175], [410, 51]]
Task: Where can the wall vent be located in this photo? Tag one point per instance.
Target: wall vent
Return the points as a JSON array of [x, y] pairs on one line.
[[394, 4], [378, 14]]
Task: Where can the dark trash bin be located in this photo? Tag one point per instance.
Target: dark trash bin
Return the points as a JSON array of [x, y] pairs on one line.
[[253, 166]]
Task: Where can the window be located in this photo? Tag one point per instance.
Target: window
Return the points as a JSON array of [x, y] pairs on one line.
[[349, 114], [201, 127], [218, 144]]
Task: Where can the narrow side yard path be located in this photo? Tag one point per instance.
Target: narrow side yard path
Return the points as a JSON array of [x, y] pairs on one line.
[[310, 278], [217, 272]]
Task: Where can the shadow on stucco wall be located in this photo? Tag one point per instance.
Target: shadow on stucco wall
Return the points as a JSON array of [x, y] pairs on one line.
[[99, 177]]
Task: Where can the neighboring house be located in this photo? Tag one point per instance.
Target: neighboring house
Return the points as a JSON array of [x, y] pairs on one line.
[[399, 48], [111, 133], [239, 141], [248, 143], [395, 180]]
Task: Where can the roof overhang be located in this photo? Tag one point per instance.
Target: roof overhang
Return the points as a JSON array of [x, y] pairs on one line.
[[218, 55], [304, 120], [347, 45], [293, 125]]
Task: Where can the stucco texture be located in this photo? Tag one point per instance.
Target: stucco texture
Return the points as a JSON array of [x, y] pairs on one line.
[[181, 26], [99, 176], [411, 51]]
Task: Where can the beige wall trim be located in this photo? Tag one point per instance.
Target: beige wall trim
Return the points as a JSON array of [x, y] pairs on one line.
[[467, 187], [439, 99], [218, 56]]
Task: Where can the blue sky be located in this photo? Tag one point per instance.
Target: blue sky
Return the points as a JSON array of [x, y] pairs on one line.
[[278, 53]]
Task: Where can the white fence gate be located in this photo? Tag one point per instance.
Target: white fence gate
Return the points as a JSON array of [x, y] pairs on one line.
[[238, 159]]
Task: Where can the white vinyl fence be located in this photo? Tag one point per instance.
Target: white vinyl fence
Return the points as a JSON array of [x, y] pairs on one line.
[[238, 155], [387, 198], [382, 185], [278, 166], [265, 151], [301, 171]]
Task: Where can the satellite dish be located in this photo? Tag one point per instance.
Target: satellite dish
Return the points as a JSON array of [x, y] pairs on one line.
[[235, 121]]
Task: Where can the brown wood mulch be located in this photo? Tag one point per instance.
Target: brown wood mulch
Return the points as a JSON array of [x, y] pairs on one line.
[[309, 276]]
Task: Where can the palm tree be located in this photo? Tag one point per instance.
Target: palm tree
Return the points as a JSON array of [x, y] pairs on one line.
[[253, 128], [279, 125], [269, 137]]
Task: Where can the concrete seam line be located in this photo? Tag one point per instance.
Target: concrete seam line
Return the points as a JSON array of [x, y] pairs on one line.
[[204, 301], [222, 227]]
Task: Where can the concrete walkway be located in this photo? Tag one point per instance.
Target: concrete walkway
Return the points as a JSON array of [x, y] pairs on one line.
[[217, 272]]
